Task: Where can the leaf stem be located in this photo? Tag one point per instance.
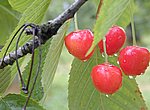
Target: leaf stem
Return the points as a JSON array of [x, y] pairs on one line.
[[104, 39], [132, 23]]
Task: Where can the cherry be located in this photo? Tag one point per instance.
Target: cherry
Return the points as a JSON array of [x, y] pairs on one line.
[[134, 60], [115, 39], [79, 42], [106, 78]]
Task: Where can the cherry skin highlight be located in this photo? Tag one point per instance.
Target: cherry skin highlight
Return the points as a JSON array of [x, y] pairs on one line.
[[79, 42], [134, 60], [115, 39], [106, 78]]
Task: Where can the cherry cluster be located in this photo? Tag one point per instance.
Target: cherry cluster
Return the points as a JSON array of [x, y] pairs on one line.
[[107, 78]]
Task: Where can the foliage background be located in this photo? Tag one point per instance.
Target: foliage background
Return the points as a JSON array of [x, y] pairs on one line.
[[57, 95]]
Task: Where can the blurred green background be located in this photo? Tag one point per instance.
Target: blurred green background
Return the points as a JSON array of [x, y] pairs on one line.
[[57, 96]]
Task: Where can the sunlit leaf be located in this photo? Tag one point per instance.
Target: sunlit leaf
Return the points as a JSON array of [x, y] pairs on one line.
[[110, 12], [125, 18], [52, 59], [21, 5], [8, 21]]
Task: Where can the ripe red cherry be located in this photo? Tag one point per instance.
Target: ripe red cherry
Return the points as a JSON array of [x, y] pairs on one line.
[[134, 60], [79, 42], [115, 39], [106, 78]]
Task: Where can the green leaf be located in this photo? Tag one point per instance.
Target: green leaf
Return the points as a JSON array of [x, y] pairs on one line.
[[125, 18], [110, 12], [84, 96], [4, 105], [8, 21], [52, 59], [20, 5], [38, 92], [4, 79], [16, 102], [34, 13]]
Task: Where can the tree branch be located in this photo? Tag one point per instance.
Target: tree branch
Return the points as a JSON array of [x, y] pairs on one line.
[[44, 32]]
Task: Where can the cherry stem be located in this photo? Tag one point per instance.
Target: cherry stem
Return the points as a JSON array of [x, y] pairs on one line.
[[104, 39], [76, 22], [99, 8], [132, 23], [105, 53]]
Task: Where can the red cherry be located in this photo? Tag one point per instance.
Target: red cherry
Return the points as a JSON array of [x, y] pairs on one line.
[[149, 56], [106, 78], [79, 42], [115, 39], [134, 60]]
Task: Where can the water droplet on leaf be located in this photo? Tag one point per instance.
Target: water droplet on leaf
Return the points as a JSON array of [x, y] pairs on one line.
[[103, 55], [107, 95], [130, 77], [115, 55], [84, 60], [117, 62]]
